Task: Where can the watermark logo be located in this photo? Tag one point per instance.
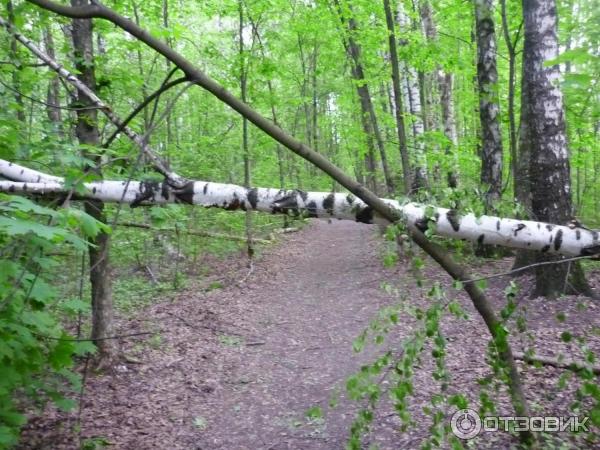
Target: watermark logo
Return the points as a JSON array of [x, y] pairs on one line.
[[466, 423]]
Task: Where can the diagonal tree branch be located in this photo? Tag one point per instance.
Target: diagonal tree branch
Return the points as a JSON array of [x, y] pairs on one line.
[[174, 179]]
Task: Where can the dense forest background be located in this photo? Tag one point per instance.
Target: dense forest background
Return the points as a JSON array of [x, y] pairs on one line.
[[416, 100]]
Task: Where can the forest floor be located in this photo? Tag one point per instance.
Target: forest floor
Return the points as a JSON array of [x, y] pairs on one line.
[[238, 366]]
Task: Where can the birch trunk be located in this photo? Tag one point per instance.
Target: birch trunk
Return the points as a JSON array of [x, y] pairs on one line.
[[549, 164], [489, 110], [412, 98], [545, 237], [411, 81]]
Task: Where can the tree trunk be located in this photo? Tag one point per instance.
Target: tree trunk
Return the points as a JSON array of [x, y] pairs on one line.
[[489, 110], [419, 177], [245, 147], [398, 107], [413, 101], [512, 60], [444, 82], [369, 118], [512, 233], [16, 72], [545, 135], [87, 134], [53, 94]]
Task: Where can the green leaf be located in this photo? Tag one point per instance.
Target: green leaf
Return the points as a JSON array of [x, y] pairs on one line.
[[314, 412], [565, 336]]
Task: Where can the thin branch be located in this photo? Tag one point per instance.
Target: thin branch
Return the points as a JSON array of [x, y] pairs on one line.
[[191, 232], [120, 336], [156, 161], [42, 102], [558, 363], [530, 266], [141, 106]]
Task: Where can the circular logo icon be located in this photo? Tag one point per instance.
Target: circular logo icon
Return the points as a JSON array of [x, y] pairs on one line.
[[465, 423]]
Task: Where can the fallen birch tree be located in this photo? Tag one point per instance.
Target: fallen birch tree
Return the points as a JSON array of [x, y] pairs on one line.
[[450, 223]]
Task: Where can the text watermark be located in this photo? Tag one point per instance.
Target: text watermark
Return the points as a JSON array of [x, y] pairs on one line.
[[466, 423]]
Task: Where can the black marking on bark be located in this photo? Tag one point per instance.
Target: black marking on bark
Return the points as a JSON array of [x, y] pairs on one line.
[[550, 240], [25, 187], [497, 225], [577, 234], [422, 224], [590, 250], [147, 190], [10, 164], [311, 209], [205, 188], [528, 244], [39, 178], [539, 226], [549, 227], [365, 215], [558, 240], [480, 239], [545, 248], [94, 190], [164, 190], [233, 204], [594, 235], [303, 194], [185, 194], [286, 204], [349, 199], [452, 216], [518, 228], [11, 188], [328, 203], [22, 171], [252, 195]]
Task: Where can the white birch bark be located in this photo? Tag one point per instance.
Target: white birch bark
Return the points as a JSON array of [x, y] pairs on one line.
[[547, 238], [489, 108], [412, 98]]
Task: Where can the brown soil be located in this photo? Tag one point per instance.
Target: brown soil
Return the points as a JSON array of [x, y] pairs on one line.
[[238, 367]]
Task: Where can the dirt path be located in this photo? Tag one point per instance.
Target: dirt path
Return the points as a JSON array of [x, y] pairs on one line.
[[238, 367]]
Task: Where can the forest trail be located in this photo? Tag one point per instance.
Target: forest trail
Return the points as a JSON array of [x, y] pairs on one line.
[[238, 367]]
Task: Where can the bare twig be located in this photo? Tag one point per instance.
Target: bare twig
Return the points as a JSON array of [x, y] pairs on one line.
[[192, 232], [524, 268], [558, 363]]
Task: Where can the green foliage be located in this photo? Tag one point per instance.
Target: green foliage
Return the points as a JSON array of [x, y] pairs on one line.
[[36, 354]]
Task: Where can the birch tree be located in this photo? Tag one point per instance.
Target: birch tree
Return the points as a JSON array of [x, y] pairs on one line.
[[543, 117], [489, 109]]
